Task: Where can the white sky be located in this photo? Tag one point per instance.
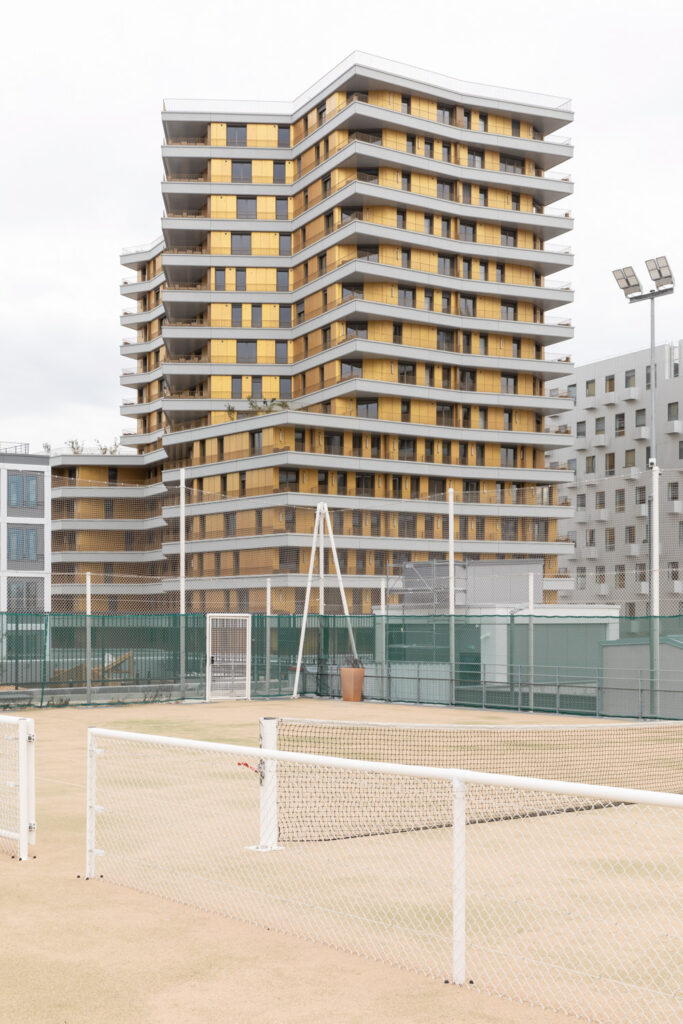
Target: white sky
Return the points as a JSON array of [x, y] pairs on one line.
[[82, 86]]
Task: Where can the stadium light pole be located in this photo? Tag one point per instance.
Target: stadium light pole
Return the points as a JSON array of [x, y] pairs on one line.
[[662, 277]]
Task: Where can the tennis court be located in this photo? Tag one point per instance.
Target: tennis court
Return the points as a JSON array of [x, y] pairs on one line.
[[87, 951]]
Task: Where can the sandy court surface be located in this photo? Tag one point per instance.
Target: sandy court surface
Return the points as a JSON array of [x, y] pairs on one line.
[[76, 951]]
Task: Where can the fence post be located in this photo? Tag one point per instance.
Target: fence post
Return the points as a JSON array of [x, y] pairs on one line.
[[557, 689], [24, 803], [268, 824], [91, 796], [640, 693], [483, 689], [181, 585], [268, 607], [459, 884], [88, 639], [519, 687]]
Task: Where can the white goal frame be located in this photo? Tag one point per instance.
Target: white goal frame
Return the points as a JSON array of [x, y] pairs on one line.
[[228, 617], [17, 777]]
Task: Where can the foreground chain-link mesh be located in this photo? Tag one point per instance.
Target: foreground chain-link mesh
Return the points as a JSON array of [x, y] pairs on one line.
[[578, 912], [645, 755], [9, 785]]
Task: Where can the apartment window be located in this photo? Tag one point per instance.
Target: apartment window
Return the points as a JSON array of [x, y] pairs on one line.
[[236, 314], [220, 280], [444, 414], [283, 136], [467, 305], [467, 342], [630, 534], [620, 500], [241, 171], [406, 297], [282, 280], [246, 351], [483, 196], [590, 388], [445, 227], [405, 258], [609, 464], [281, 209], [444, 114], [468, 231], [609, 384], [508, 383], [429, 148], [367, 408], [285, 391], [406, 373], [599, 499], [508, 310], [599, 574], [581, 428], [620, 576], [240, 279], [672, 411], [630, 457], [400, 218], [641, 417], [405, 181], [580, 577], [475, 157], [508, 455], [236, 135], [429, 299], [508, 236], [446, 302], [255, 442], [444, 340], [590, 538], [630, 379], [236, 387], [429, 224], [515, 201], [285, 317], [673, 572], [240, 245], [446, 152], [600, 425], [580, 501], [511, 164], [483, 344], [256, 315], [590, 464], [285, 245], [641, 495], [672, 490], [619, 424], [647, 377], [445, 265], [444, 189], [22, 544], [500, 273], [257, 387], [279, 172]]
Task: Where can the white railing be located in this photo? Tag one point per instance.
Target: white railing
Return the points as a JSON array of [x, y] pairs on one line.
[[17, 786], [471, 878]]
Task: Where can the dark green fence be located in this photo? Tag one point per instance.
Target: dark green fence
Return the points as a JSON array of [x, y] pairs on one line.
[[553, 662]]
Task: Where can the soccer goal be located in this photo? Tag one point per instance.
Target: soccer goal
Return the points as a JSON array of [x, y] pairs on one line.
[[574, 912], [17, 786], [228, 657]]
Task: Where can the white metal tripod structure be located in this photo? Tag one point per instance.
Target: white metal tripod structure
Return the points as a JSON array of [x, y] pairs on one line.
[[322, 519]]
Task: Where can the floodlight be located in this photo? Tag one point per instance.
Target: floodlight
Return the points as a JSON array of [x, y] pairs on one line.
[[627, 280], [660, 272]]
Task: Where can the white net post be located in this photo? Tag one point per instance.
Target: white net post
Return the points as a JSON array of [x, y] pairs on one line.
[[88, 638], [459, 882], [91, 806], [268, 827], [17, 785]]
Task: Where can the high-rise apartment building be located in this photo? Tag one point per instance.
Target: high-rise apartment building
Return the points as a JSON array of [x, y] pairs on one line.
[[349, 301], [610, 428]]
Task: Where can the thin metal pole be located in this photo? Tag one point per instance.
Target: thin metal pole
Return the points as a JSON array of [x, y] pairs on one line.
[[88, 638], [268, 613], [321, 574], [531, 641], [451, 591], [91, 800], [181, 584], [654, 591], [383, 597], [316, 527], [325, 512]]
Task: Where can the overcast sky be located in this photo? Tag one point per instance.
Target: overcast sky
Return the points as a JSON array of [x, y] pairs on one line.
[[82, 87]]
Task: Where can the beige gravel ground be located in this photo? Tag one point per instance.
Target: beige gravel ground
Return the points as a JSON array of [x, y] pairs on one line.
[[77, 952]]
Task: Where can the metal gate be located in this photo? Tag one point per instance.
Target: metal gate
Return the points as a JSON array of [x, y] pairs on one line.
[[228, 657]]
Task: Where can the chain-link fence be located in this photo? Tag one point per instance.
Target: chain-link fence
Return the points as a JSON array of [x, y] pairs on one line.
[[544, 661], [556, 894]]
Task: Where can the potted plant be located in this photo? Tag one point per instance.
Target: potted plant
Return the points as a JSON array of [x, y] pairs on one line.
[[352, 681]]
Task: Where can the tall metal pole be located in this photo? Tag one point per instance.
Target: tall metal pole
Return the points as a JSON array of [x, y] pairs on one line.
[[653, 532], [451, 591], [268, 613], [181, 583], [88, 638]]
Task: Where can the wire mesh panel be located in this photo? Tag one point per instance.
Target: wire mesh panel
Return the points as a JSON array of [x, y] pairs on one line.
[[577, 912], [639, 755], [228, 657], [17, 786]]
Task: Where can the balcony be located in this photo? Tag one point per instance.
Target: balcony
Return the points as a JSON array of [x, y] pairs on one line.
[[610, 398], [630, 394]]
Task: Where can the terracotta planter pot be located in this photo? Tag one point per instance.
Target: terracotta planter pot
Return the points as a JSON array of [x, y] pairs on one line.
[[352, 683]]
